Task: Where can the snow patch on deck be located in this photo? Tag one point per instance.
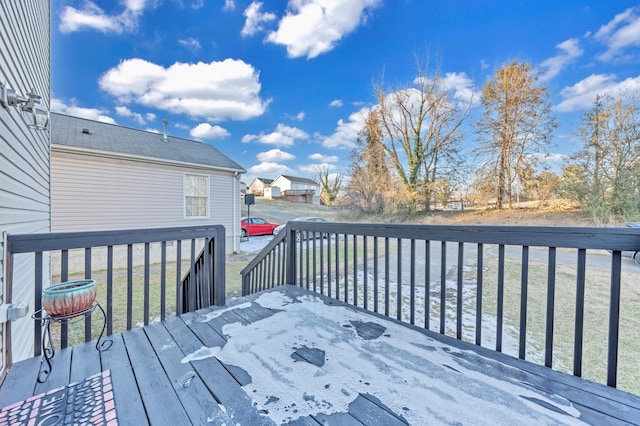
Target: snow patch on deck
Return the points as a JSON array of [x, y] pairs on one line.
[[415, 376], [203, 353], [215, 314]]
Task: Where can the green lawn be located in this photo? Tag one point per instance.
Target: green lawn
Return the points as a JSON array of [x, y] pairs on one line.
[[596, 314]]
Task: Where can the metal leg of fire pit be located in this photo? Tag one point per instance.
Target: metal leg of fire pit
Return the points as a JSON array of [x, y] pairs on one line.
[[48, 348]]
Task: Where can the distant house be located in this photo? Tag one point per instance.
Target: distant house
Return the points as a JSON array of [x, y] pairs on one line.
[[297, 189], [271, 192], [106, 177], [258, 185]]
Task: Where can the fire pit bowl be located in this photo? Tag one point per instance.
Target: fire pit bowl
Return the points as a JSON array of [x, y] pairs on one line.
[[69, 298]]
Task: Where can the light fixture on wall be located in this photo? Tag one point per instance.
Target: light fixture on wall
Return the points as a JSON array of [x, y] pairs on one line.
[[34, 114]]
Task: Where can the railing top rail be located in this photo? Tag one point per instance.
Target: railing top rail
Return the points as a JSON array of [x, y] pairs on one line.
[[27, 243], [620, 238]]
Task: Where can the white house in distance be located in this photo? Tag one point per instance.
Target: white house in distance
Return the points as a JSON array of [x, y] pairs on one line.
[[292, 186], [258, 185], [107, 177], [24, 159]]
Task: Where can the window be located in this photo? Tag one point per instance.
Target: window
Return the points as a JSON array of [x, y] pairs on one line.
[[196, 196]]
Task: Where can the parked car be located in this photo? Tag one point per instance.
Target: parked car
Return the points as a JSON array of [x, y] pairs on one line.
[[302, 219], [635, 255], [256, 226]]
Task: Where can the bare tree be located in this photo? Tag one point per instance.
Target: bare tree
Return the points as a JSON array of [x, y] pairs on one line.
[[370, 182], [546, 186], [517, 121], [329, 186], [610, 156], [420, 132]]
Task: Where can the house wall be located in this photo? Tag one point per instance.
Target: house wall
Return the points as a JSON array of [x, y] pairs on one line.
[[24, 153], [92, 193], [285, 185], [257, 187], [272, 192]]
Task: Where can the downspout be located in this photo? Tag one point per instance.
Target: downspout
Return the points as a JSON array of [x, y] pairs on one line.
[[236, 219]]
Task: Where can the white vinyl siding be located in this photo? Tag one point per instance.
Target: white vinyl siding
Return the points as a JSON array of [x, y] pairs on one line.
[[91, 193], [196, 196], [24, 153]]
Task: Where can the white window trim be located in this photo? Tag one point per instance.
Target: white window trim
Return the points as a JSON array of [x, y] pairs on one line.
[[184, 197]]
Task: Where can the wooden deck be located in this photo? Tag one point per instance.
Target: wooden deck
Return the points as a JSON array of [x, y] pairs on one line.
[[288, 356]]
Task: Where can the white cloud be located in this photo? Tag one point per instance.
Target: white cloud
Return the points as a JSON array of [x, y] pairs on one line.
[[190, 43], [58, 105], [569, 51], [90, 16], [215, 91], [313, 169], [274, 155], [207, 131], [621, 32], [255, 19], [336, 103], [229, 5], [324, 158], [123, 111], [313, 27], [150, 116], [484, 64], [459, 86], [300, 116], [462, 87], [269, 169], [283, 136], [197, 4], [582, 94], [150, 130], [347, 131]]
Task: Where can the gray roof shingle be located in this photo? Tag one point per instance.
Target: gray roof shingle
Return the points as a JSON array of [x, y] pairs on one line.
[[68, 131], [300, 180]]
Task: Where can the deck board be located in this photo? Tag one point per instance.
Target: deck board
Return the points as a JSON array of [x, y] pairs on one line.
[[220, 382], [208, 367], [20, 383], [198, 402], [155, 387], [59, 375], [116, 360], [85, 362]]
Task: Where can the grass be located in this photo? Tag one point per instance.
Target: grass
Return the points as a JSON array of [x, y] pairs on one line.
[[120, 292], [596, 314]]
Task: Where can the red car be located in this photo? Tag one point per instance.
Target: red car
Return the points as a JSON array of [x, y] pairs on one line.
[[256, 226]]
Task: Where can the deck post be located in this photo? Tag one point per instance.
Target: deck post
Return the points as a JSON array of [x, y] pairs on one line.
[[290, 268], [219, 262]]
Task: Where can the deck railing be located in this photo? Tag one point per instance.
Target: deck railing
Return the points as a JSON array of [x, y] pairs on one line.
[[134, 270], [500, 283]]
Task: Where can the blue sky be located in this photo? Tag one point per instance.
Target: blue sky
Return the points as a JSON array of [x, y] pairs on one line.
[[282, 87]]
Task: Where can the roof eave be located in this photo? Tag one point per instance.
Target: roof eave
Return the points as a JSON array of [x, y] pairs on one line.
[[153, 160]]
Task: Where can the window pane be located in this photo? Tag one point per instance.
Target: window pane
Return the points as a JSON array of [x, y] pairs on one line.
[[196, 186], [196, 195]]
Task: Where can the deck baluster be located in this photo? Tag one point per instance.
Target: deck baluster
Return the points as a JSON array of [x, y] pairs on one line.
[[479, 279]]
